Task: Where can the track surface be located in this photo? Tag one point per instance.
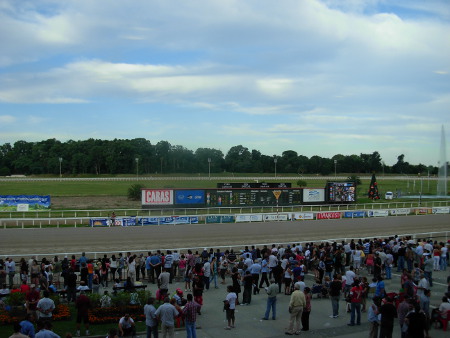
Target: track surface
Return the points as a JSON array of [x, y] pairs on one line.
[[118, 239]]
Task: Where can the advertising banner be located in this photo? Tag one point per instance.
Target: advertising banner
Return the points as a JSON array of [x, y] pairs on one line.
[[156, 197], [189, 197], [34, 202], [328, 215], [275, 217], [248, 218], [313, 195], [219, 219], [302, 215], [378, 213], [441, 210], [128, 221], [400, 211], [168, 220], [99, 222], [354, 214], [422, 211]]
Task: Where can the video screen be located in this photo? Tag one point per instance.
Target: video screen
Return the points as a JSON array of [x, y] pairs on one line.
[[341, 192]]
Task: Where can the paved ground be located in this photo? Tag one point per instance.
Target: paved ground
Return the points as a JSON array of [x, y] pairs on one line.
[[248, 323], [67, 240]]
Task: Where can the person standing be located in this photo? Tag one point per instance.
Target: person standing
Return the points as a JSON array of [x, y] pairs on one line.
[[272, 291], [151, 322], [230, 307], [356, 297], [45, 307], [372, 316], [264, 273], [190, 314], [32, 299], [82, 305], [388, 314], [167, 313], [11, 270], [307, 310], [296, 305], [335, 295], [428, 267]]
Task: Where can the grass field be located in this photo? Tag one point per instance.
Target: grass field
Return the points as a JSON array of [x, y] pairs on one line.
[[119, 187]]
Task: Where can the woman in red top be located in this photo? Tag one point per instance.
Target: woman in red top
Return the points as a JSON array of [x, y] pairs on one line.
[[436, 258]]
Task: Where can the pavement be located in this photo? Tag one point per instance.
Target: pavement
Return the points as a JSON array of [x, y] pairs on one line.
[[249, 324]]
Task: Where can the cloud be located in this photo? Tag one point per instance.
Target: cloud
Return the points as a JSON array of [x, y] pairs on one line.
[[6, 119]]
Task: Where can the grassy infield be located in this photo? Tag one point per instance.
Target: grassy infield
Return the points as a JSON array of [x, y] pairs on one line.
[[120, 188]]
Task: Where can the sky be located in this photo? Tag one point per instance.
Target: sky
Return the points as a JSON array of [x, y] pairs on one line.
[[320, 77]]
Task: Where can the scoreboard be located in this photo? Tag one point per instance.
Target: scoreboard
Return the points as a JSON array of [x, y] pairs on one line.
[[248, 194], [252, 197]]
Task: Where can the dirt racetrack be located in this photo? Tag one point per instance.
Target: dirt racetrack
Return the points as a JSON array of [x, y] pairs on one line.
[[119, 239]]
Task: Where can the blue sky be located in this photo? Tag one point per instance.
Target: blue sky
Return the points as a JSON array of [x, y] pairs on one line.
[[320, 77]]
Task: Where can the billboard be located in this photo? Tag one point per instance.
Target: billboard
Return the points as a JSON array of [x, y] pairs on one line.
[[328, 215], [189, 197], [302, 215], [354, 214], [157, 197], [313, 195], [15, 202]]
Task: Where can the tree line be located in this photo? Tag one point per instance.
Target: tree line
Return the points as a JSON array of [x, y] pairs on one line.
[[139, 156]]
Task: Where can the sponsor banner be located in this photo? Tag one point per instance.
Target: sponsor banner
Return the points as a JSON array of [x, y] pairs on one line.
[[303, 215], [328, 215], [401, 211], [354, 214], [249, 218], [313, 195], [378, 213], [128, 221], [189, 197], [422, 211], [34, 202], [157, 197], [99, 222], [219, 219], [441, 210], [168, 220], [275, 217]]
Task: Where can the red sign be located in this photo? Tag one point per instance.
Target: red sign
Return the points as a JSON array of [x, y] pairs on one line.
[[328, 215], [157, 197]]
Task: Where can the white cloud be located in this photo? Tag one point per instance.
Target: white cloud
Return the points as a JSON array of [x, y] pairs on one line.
[[5, 119]]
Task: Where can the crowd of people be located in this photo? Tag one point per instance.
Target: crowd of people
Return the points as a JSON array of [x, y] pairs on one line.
[[354, 271]]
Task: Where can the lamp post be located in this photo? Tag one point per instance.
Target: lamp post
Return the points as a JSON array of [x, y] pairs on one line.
[[209, 167], [335, 164], [275, 160], [60, 162], [137, 167]]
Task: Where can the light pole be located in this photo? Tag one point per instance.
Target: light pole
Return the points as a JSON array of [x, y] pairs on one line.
[[275, 160], [60, 162], [137, 167], [335, 164], [209, 167]]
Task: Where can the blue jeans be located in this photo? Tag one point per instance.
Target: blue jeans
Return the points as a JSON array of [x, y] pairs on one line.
[[356, 308], [335, 304], [388, 271], [90, 277], [190, 330], [443, 263], [152, 329], [428, 276], [271, 303], [400, 263], [214, 278]]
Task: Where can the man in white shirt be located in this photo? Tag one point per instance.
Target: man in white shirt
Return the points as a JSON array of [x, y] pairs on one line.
[[350, 278], [45, 306]]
